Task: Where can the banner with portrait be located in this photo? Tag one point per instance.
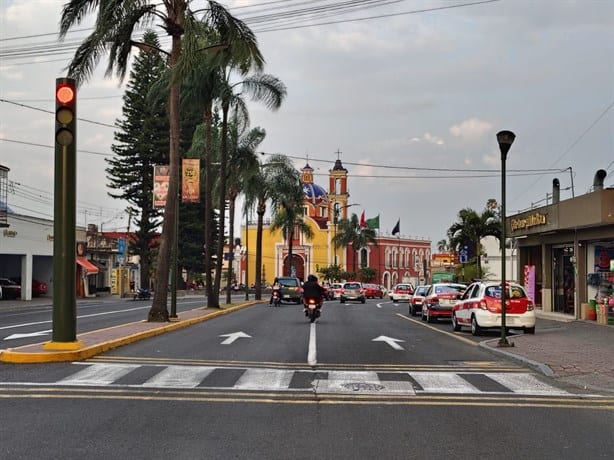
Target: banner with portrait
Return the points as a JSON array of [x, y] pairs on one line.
[[161, 179], [190, 180]]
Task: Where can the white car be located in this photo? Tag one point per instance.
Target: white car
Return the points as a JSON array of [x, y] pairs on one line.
[[337, 289], [480, 308]]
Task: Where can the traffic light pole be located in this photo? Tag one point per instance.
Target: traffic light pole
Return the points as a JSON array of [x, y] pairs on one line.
[[64, 334]]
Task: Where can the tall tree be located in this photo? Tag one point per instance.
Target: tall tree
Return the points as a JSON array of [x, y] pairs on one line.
[[141, 142], [262, 88], [470, 228], [350, 233], [116, 22], [288, 201], [242, 151]]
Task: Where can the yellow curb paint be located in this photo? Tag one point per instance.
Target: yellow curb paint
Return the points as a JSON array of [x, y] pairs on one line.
[[63, 345]]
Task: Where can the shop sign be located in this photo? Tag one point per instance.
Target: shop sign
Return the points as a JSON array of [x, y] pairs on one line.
[[532, 220], [604, 258]]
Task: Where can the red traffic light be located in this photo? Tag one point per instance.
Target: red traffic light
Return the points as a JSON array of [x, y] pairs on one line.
[[65, 94]]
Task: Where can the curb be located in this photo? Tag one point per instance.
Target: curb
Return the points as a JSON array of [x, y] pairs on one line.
[[13, 355], [539, 367]]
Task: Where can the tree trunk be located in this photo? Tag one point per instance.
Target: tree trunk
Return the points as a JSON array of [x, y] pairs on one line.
[[212, 300], [260, 210], [231, 229], [222, 203], [158, 311]]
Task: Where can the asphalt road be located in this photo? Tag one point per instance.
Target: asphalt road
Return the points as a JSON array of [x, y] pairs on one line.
[[364, 381]]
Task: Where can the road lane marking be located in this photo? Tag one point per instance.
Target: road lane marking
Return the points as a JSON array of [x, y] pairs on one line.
[[98, 375], [312, 358], [179, 377], [449, 334], [264, 379]]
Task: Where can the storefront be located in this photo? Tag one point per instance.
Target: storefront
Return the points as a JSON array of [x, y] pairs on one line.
[[566, 250]]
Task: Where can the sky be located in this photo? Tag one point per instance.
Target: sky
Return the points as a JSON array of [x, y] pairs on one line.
[[409, 95]]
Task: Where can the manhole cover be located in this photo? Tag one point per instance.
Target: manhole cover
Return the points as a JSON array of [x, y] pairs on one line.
[[362, 386]]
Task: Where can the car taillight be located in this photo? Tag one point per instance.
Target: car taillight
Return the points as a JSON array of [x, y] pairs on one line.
[[530, 306], [483, 305], [362, 291], [434, 300], [312, 301]]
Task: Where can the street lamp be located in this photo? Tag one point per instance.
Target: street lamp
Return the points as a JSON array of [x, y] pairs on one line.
[[505, 140]]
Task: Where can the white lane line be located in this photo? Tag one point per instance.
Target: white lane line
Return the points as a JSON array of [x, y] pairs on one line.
[[78, 317], [312, 359]]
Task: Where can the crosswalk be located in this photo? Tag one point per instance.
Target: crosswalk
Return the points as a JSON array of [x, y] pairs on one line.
[[321, 381]]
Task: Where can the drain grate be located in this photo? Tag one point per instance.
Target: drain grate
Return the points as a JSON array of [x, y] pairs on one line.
[[361, 386]]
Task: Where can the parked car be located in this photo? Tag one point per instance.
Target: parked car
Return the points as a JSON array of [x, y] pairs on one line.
[[38, 287], [401, 291], [415, 303], [440, 299], [291, 290], [9, 289], [337, 288], [353, 291], [480, 308], [373, 291]]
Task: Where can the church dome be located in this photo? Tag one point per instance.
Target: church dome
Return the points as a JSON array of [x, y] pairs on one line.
[[314, 193]]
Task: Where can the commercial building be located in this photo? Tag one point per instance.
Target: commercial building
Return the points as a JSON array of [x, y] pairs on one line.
[[566, 249]]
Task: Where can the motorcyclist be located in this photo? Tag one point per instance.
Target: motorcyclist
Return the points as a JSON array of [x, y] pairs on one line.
[[312, 290], [276, 287]]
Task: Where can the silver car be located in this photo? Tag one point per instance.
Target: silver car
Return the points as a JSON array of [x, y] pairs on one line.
[[353, 291]]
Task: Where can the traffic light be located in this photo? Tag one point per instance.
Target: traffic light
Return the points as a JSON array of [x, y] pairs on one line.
[[65, 112]]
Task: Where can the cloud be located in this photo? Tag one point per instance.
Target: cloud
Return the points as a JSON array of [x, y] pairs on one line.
[[428, 138], [471, 129]]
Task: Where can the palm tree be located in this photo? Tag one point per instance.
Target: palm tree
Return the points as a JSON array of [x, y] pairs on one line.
[[242, 150], [442, 246], [263, 88], [471, 228], [116, 22], [263, 186], [349, 232]]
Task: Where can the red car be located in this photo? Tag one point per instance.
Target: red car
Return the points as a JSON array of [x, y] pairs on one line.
[[373, 291], [38, 287], [440, 300]]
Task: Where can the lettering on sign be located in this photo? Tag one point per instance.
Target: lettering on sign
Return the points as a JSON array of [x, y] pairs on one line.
[[10, 233], [529, 221]]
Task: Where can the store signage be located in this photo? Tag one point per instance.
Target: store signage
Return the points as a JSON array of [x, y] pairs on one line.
[[10, 233], [532, 220]]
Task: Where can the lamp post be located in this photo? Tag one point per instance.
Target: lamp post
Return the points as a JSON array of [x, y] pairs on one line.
[[505, 140]]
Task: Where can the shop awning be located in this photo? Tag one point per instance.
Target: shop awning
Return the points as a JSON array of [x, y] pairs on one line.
[[89, 267]]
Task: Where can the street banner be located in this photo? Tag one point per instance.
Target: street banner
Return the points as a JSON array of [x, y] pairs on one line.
[[363, 222], [529, 281], [161, 179], [190, 183]]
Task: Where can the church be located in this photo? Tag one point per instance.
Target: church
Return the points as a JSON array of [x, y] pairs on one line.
[[394, 258]]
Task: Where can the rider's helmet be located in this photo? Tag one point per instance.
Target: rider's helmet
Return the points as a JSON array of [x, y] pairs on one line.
[[312, 278]]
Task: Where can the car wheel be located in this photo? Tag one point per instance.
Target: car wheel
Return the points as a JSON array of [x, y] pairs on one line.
[[529, 330], [391, 299], [342, 300], [363, 300], [455, 326], [422, 315], [475, 327], [429, 318]]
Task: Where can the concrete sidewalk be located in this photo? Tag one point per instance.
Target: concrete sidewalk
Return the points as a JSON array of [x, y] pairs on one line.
[[579, 353], [575, 352]]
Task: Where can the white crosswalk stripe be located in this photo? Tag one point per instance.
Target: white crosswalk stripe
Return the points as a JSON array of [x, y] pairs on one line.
[[179, 377], [321, 381]]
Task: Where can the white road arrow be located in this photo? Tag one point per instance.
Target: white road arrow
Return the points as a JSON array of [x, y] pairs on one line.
[[234, 336], [32, 334], [390, 341]]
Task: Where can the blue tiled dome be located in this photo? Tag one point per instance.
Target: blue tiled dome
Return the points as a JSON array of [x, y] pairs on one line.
[[314, 192]]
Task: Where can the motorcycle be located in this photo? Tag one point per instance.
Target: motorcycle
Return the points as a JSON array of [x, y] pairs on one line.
[[313, 308], [276, 298], [142, 294]]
